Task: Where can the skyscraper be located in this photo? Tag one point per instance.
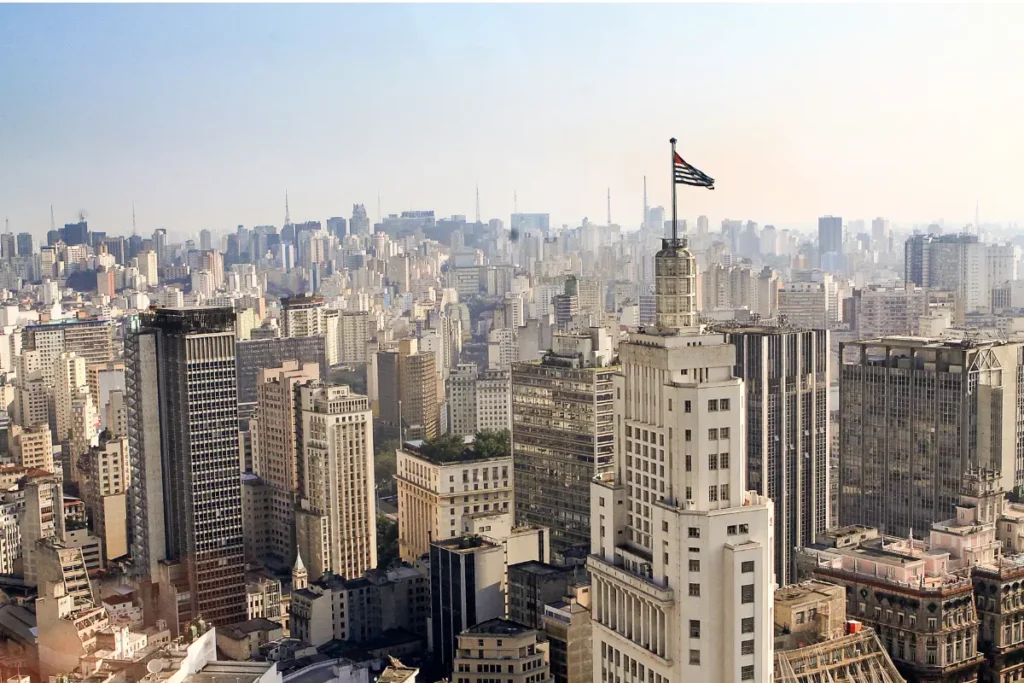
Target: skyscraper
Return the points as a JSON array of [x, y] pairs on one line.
[[830, 235], [681, 562], [786, 378], [915, 415], [360, 223], [185, 492], [337, 522], [275, 455], [562, 436]]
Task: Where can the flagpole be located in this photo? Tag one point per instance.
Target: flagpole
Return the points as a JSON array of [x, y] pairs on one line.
[[673, 180]]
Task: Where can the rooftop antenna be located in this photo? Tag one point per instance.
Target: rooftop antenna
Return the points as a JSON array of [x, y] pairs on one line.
[[478, 202], [53, 223], [287, 212], [609, 206], [135, 230]]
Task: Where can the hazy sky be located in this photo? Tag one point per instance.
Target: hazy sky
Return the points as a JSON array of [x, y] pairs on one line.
[[204, 115]]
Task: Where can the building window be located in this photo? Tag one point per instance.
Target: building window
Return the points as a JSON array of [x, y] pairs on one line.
[[731, 530], [747, 567], [689, 463], [723, 404], [747, 673], [747, 593], [695, 628], [723, 461], [694, 590], [712, 434], [689, 493], [725, 492], [747, 625], [713, 493], [723, 433], [693, 532], [713, 461], [747, 647], [686, 407], [695, 657], [694, 565], [664, 525], [689, 435], [713, 405], [744, 528]]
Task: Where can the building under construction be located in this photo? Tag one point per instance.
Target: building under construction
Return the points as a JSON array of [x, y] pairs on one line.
[[814, 642]]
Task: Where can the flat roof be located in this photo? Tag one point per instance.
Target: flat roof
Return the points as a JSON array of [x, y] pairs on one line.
[[497, 627]]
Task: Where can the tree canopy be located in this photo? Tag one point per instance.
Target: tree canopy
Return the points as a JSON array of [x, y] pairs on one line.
[[450, 447]]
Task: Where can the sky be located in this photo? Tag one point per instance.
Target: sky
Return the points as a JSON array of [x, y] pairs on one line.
[[203, 116]]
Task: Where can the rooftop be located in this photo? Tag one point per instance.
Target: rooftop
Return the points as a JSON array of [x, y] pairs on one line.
[[538, 568], [497, 627]]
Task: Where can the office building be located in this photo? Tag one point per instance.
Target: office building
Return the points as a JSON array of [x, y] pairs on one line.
[[41, 519], [681, 552], [407, 385], [442, 499], [276, 456], [469, 582], [359, 224], [562, 436], [460, 395], [494, 400], [257, 354], [337, 520], [830, 235], [785, 372], [501, 646], [355, 330], [92, 340], [915, 415], [534, 584], [183, 440], [567, 627]]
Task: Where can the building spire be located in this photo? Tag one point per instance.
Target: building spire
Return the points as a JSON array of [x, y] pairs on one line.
[[287, 212], [135, 230], [53, 223], [609, 206], [478, 202]]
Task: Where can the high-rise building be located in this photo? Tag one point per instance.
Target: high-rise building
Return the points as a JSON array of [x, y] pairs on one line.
[[786, 378], [92, 340], [185, 492], [26, 244], [681, 563], [562, 436], [41, 519], [830, 235], [915, 415], [460, 395], [360, 222], [256, 354], [32, 447], [148, 267], [275, 453], [418, 408], [440, 499], [493, 400], [337, 520], [469, 582], [105, 480], [355, 329]]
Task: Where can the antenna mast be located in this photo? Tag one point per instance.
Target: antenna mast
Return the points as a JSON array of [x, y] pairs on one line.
[[287, 212], [478, 202], [135, 231], [609, 206], [643, 224], [53, 224]]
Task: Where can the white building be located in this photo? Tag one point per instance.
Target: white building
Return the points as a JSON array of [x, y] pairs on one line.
[[681, 561]]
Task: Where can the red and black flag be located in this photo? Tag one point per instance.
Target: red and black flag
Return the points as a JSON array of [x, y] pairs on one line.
[[685, 174]]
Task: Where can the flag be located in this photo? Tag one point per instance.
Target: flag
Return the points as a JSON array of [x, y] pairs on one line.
[[685, 174]]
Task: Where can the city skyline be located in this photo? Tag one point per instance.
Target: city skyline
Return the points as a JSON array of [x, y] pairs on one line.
[[202, 116]]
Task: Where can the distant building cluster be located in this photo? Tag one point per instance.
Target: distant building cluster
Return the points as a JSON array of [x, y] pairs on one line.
[[424, 448]]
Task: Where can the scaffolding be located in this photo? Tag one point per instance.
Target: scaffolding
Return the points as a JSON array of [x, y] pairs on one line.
[[854, 658]]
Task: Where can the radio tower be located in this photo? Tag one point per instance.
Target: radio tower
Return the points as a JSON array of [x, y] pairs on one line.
[[609, 206], [644, 223], [53, 224], [478, 202], [287, 213], [515, 202]]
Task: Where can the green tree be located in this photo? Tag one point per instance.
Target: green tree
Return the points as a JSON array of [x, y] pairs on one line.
[[490, 443], [384, 465], [443, 448], [387, 541]]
